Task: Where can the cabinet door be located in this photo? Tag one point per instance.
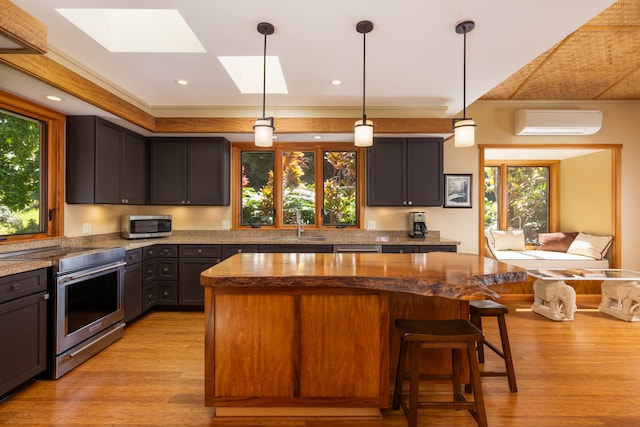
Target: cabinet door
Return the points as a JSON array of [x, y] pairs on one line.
[[191, 292], [385, 176], [168, 162], [134, 173], [23, 339], [207, 171], [80, 155], [107, 163], [424, 172], [132, 291]]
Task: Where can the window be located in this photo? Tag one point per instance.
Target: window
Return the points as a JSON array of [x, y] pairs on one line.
[[319, 181], [518, 196], [29, 165]]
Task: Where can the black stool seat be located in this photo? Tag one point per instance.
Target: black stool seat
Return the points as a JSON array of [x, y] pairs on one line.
[[458, 335], [485, 308]]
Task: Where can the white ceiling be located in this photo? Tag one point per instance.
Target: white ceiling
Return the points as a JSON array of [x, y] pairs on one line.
[[414, 56]]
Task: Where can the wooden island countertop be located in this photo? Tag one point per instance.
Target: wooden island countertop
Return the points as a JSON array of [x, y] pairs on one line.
[[311, 334]]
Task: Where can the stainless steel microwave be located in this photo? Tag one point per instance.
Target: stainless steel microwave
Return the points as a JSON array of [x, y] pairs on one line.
[[145, 226]]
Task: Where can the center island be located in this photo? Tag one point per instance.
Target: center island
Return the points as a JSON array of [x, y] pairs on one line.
[[303, 334]]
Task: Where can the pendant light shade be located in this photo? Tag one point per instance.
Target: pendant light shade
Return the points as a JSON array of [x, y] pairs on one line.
[[363, 129], [464, 129], [263, 129]]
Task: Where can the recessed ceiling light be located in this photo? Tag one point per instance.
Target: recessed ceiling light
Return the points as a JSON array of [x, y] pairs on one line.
[[317, 137], [246, 73], [336, 82], [182, 82], [136, 30], [54, 98]]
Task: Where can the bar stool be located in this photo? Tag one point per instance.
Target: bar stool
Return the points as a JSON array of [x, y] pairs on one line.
[[484, 308], [458, 335]]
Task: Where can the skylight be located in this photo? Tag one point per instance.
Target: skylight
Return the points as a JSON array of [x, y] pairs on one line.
[[136, 30], [246, 73]]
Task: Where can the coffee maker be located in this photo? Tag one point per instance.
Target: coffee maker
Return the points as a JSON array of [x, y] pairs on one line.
[[418, 225]]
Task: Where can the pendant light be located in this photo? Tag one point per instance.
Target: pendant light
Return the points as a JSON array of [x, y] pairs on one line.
[[464, 129], [363, 129], [263, 129]]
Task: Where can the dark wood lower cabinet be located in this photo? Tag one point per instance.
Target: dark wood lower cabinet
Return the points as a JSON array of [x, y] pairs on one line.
[[23, 328], [132, 291], [191, 291], [170, 274]]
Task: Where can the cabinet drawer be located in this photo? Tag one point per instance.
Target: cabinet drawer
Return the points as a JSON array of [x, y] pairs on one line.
[[400, 249], [285, 248], [167, 293], [229, 250], [194, 251], [21, 284], [149, 271], [438, 248], [167, 269], [157, 251], [149, 296], [133, 256]]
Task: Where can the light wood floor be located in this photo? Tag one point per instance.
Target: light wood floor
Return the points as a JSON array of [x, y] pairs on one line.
[[579, 373]]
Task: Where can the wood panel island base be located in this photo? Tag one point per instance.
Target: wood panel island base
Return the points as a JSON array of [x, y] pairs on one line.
[[310, 334]]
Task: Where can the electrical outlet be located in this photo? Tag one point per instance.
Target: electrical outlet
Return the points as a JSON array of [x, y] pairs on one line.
[[86, 228], [371, 225], [226, 224]]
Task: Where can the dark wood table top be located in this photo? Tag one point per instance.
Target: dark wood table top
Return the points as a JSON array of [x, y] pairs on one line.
[[445, 274]]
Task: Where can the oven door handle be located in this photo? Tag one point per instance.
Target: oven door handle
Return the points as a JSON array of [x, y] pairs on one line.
[[93, 272]]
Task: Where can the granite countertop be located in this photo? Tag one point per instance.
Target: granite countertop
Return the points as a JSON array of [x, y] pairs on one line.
[[9, 267], [273, 237], [204, 237]]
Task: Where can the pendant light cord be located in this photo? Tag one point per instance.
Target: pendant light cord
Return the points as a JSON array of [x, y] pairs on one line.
[[464, 76], [364, 75], [264, 76]]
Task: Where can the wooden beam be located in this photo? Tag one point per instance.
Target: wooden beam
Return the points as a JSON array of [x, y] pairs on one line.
[[302, 125], [22, 33], [52, 73]]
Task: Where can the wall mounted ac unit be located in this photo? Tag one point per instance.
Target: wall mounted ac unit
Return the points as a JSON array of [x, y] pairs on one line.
[[557, 122]]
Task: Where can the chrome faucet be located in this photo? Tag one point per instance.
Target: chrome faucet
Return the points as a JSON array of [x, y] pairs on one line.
[[299, 224]]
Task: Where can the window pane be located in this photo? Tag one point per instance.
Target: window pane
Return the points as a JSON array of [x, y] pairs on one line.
[[20, 175], [339, 192], [528, 204], [491, 198], [257, 188], [298, 186]]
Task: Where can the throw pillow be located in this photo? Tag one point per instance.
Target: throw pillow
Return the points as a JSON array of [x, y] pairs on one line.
[[508, 240], [557, 242], [590, 245]]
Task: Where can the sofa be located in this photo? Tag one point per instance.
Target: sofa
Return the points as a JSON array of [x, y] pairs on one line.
[[554, 251]]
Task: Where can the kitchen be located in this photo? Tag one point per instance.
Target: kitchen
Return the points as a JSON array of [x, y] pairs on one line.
[[90, 222]]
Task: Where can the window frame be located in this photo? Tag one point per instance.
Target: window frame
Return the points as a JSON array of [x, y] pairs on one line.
[[502, 166], [278, 148], [53, 154]]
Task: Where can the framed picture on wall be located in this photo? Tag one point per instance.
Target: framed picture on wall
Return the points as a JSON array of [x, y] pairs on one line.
[[457, 190]]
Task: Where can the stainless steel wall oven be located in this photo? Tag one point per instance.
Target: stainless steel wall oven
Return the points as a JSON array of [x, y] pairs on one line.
[[86, 312]]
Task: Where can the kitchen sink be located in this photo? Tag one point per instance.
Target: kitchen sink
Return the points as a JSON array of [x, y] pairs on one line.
[[300, 239]]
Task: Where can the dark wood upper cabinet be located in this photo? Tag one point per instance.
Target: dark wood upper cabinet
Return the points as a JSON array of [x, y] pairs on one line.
[[105, 163], [405, 172], [190, 171]]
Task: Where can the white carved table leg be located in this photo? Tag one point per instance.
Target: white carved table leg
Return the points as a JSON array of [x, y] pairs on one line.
[[554, 299], [621, 299]]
